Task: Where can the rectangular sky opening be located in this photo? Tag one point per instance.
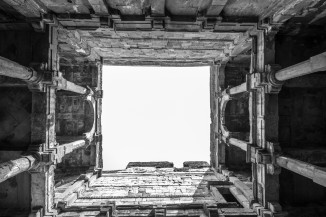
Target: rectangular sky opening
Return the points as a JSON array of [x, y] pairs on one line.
[[155, 114]]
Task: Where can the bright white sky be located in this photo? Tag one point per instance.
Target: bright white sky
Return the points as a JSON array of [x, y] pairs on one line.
[[155, 114]]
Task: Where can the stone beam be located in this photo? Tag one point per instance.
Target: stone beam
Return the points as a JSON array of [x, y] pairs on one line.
[[216, 7], [246, 191], [67, 197], [315, 173], [99, 6], [67, 148], [29, 9], [158, 62], [314, 64], [283, 10], [240, 197], [14, 167], [238, 89], [64, 84], [217, 195], [244, 45], [239, 143]]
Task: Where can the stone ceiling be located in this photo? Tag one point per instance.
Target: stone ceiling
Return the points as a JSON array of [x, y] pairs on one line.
[[154, 47], [158, 32]]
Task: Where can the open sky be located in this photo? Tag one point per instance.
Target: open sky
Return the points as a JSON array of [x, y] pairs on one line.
[[155, 114]]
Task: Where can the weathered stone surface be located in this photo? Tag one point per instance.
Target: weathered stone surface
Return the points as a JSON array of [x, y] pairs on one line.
[[164, 33], [149, 186], [158, 164], [195, 164]]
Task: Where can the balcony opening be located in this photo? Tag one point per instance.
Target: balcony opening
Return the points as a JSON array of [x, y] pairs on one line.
[[155, 114]]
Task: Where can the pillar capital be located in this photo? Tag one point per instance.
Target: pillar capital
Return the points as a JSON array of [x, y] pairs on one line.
[[273, 85]]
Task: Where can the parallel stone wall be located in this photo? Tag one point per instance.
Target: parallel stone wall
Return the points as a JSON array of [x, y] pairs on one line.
[[140, 186], [237, 116], [74, 115], [302, 112], [145, 191]]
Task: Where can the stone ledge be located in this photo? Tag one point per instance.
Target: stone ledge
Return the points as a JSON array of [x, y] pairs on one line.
[[195, 164], [156, 164]]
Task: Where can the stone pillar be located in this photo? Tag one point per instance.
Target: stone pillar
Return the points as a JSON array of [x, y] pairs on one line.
[[213, 145], [14, 70], [314, 64], [43, 137], [14, 167], [218, 149]]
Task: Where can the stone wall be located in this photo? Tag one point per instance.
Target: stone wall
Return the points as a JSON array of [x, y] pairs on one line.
[[237, 115], [74, 114], [150, 186], [15, 119], [136, 191], [302, 112]]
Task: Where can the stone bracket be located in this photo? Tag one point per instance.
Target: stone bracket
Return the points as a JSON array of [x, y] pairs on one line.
[[266, 157], [46, 79], [263, 157], [273, 86], [274, 150], [98, 138], [39, 24], [98, 94], [265, 80], [255, 81]]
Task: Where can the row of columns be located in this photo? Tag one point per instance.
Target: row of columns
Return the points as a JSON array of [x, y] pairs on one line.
[[44, 152], [263, 83], [45, 155]]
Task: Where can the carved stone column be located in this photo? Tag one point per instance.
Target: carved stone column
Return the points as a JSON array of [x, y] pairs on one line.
[[313, 64], [38, 79], [12, 69], [14, 167]]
